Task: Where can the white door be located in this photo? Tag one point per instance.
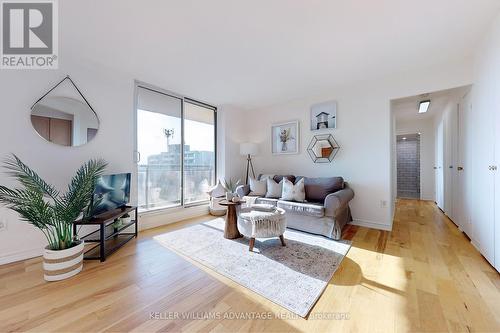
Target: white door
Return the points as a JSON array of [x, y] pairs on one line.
[[446, 163], [439, 166], [496, 171], [483, 215], [462, 193], [449, 160], [496, 164]]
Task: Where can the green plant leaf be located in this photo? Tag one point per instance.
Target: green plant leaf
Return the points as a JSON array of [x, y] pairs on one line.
[[80, 190], [55, 216], [230, 185], [29, 178]]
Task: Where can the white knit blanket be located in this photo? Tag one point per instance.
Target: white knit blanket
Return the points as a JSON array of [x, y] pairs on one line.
[[265, 223]]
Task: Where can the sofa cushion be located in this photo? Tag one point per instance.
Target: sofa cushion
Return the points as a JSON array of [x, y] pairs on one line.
[[257, 187], [293, 192], [318, 188], [279, 178], [273, 189], [269, 201], [301, 208], [265, 176], [298, 178]]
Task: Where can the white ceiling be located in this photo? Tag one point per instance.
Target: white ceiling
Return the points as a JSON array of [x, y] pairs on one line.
[[406, 109], [259, 52]]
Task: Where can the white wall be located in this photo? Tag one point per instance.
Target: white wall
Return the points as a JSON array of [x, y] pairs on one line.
[[231, 131], [427, 154], [364, 134]]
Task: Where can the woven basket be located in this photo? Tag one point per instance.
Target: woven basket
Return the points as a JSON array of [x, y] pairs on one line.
[[62, 264]]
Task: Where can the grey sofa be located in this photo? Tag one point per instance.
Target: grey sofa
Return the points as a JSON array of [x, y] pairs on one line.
[[326, 210]]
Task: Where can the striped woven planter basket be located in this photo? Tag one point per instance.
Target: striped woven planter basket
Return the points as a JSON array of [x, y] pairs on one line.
[[62, 264]]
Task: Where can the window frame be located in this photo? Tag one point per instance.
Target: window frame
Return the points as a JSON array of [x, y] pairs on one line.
[[184, 99]]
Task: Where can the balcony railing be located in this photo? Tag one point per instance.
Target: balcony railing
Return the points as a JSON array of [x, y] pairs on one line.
[[160, 186]]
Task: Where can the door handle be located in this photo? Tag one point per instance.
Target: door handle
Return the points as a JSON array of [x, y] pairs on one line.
[[450, 167], [460, 168]]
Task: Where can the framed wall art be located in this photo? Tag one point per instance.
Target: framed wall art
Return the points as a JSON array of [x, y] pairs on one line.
[[324, 115], [285, 138]]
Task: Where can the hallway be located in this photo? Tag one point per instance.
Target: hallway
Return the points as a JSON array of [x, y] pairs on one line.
[[408, 166], [450, 286]]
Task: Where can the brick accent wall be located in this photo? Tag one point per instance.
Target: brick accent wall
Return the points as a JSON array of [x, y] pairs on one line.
[[408, 166]]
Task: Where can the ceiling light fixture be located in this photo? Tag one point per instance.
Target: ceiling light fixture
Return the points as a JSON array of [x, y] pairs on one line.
[[404, 138], [424, 106]]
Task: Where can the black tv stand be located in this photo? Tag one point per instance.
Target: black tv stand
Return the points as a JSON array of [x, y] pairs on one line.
[[107, 239]]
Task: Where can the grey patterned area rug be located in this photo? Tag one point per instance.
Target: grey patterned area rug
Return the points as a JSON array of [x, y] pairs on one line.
[[293, 276]]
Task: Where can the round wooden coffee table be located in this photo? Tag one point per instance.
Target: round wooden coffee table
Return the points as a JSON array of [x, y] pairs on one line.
[[231, 228]]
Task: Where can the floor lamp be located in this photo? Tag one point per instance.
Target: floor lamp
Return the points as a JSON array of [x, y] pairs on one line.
[[249, 149]]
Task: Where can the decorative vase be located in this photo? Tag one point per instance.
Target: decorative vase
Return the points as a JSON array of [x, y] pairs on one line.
[[125, 220], [235, 199], [62, 264], [229, 196], [284, 146]]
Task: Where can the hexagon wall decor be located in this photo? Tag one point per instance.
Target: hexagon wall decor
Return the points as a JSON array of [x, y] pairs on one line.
[[323, 148]]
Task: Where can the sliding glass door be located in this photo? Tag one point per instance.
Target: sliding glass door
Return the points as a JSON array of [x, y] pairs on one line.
[[159, 126], [199, 151], [176, 149]]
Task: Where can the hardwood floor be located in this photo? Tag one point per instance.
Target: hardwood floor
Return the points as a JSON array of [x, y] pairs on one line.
[[422, 276]]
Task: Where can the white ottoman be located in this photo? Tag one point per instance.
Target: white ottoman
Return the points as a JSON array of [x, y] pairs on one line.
[[262, 224]]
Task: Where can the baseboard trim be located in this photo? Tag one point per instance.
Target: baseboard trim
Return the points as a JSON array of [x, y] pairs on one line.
[[22, 255], [475, 244], [372, 224], [158, 219]]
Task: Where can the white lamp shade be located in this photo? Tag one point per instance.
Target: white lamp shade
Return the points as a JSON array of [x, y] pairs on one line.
[[248, 148]]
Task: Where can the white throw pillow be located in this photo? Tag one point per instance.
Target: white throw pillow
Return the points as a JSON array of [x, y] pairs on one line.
[[257, 187], [293, 192], [274, 189]]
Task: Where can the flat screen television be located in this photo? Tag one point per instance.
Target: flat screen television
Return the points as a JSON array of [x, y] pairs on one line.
[[111, 192]]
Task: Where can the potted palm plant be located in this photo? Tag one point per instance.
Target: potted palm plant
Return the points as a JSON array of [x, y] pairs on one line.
[[53, 212]]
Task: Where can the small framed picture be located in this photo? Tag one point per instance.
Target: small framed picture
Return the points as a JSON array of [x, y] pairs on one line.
[[285, 138], [324, 115]]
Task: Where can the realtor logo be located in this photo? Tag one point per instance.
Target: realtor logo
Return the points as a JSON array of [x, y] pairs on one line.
[[29, 34]]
